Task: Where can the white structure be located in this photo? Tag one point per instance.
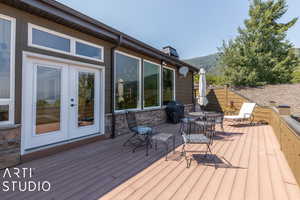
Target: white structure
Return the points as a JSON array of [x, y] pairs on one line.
[[202, 88], [244, 114]]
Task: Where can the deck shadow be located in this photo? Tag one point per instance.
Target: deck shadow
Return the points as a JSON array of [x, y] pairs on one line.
[[213, 160]]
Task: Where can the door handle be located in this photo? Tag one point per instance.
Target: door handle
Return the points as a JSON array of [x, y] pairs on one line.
[[72, 105]]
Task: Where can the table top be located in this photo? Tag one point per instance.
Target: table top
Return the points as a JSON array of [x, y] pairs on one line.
[[205, 113]]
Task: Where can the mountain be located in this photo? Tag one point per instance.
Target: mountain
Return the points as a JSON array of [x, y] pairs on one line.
[[209, 63]]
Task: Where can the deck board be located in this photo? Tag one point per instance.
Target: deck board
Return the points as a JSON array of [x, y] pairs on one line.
[[253, 167]]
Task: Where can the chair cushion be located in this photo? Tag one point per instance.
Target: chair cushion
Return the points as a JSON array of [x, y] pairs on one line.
[[232, 117], [195, 139], [142, 130]]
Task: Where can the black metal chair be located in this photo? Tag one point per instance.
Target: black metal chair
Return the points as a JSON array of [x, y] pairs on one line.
[[206, 137], [209, 121], [220, 120], [141, 134]]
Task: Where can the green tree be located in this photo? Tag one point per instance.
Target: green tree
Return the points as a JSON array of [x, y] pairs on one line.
[[260, 54], [296, 75]]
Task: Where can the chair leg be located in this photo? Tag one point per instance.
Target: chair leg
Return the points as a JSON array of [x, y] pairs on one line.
[[222, 127], [209, 149], [129, 139], [173, 144], [167, 150], [183, 150], [188, 162], [180, 128]]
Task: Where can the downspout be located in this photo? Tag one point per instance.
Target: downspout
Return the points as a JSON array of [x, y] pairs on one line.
[[193, 92], [161, 82], [112, 77]]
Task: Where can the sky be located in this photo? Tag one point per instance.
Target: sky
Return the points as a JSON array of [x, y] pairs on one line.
[[194, 27]]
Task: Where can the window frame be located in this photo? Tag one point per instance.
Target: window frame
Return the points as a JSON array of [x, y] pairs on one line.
[[174, 83], [73, 41], [92, 45], [160, 88], [139, 106], [11, 100]]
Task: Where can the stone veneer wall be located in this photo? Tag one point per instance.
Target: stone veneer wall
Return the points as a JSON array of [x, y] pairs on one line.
[[151, 117], [10, 140]]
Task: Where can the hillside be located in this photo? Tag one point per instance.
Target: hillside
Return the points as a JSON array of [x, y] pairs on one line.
[[209, 63]]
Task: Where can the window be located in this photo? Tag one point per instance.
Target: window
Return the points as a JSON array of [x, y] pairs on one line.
[[89, 51], [43, 38], [127, 81], [151, 84], [7, 57], [48, 40], [168, 85], [48, 99]]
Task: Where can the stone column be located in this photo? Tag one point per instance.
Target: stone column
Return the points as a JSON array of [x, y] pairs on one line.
[[10, 141]]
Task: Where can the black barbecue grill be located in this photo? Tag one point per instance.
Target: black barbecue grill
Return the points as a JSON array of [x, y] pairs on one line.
[[175, 111]]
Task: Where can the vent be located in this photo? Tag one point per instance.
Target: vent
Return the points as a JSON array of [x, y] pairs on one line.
[[170, 51]]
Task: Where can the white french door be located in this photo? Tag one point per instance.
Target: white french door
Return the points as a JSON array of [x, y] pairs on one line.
[[84, 101], [61, 102]]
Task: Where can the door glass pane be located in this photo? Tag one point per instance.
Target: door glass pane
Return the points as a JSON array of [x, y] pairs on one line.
[[151, 85], [49, 40], [48, 99], [86, 98], [4, 112], [5, 53], [127, 82], [168, 85], [88, 50]]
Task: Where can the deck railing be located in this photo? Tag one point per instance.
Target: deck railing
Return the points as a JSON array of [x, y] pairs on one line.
[[227, 100]]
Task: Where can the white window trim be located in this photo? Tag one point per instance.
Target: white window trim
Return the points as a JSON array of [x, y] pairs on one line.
[[92, 45], [160, 89], [139, 107], [174, 81], [73, 41], [11, 101]]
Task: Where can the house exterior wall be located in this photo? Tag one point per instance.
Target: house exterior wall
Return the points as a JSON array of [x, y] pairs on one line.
[[151, 117], [22, 20]]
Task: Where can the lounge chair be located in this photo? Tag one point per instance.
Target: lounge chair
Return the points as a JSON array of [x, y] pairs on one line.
[[245, 114]]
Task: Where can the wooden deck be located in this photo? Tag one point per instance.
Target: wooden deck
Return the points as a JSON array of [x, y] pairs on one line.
[[251, 166]]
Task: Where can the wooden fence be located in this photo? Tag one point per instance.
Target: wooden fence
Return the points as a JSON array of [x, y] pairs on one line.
[[227, 100]]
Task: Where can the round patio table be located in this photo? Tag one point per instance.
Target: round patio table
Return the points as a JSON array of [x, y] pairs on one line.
[[208, 114], [204, 114]]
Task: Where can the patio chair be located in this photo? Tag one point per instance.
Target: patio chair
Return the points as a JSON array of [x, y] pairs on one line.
[[205, 138], [246, 113], [209, 122], [198, 108], [141, 134], [220, 120]]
